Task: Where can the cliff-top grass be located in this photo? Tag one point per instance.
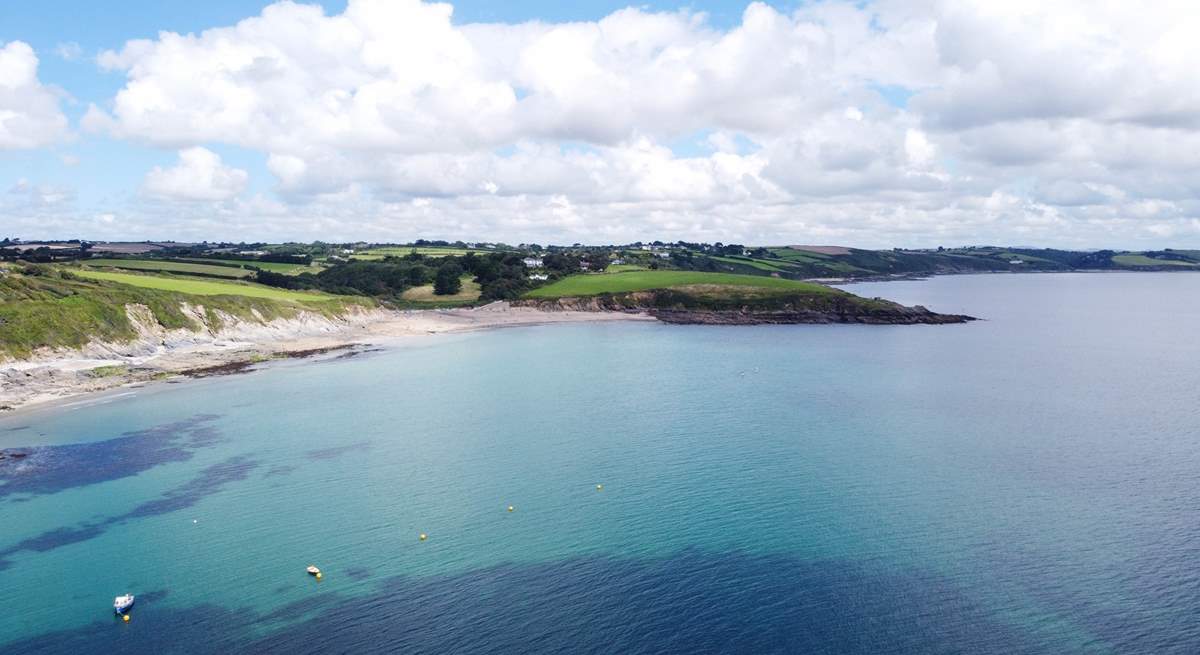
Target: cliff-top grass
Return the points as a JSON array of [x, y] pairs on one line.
[[200, 287], [623, 282]]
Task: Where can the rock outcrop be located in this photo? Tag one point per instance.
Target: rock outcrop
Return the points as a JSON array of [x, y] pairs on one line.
[[678, 306]]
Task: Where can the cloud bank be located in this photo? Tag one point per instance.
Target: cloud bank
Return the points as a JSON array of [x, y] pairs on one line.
[[891, 123]]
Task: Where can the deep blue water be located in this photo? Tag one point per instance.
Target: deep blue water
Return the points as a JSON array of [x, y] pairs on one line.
[[1025, 484]]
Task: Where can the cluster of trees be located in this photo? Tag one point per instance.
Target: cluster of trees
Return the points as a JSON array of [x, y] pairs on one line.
[[501, 276], [44, 254]]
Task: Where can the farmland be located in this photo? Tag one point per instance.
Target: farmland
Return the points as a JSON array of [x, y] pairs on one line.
[[1144, 261], [200, 287], [168, 266]]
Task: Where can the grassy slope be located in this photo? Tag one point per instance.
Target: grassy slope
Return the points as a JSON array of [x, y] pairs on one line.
[[591, 285], [469, 293], [169, 266], [201, 287], [1142, 260], [53, 310]]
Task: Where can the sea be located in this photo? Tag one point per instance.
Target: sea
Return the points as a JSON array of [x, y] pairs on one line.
[[1025, 483]]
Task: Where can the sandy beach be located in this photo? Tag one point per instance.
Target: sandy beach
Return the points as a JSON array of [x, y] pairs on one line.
[[56, 375]]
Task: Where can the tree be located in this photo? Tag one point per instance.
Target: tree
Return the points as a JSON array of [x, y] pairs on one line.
[[448, 281]]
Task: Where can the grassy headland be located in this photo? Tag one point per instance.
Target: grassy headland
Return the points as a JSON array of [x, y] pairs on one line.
[[621, 282], [42, 306], [721, 298]]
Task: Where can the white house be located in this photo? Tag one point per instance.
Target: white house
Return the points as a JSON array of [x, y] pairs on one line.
[[532, 262], [1016, 261], [539, 276]]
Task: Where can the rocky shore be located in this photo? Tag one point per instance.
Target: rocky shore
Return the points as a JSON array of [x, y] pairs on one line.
[[157, 354]]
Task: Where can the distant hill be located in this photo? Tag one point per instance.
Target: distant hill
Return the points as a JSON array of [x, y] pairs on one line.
[[840, 262]]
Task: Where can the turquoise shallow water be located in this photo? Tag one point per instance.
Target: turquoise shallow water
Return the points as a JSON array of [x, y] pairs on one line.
[[1026, 483]]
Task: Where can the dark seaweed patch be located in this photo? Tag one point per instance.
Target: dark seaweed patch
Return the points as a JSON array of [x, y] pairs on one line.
[[336, 451], [279, 469], [152, 596], [50, 469], [693, 602], [210, 481], [358, 573]]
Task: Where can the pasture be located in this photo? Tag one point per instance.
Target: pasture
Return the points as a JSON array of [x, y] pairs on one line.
[[201, 287]]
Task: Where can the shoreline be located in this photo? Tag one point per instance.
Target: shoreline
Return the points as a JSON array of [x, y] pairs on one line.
[[55, 379]]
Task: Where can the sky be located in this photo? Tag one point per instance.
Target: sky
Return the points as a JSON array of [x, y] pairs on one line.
[[873, 124]]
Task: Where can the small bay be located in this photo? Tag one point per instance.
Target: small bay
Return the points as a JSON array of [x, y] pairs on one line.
[[1027, 483]]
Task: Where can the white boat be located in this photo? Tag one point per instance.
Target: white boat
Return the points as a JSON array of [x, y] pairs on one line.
[[121, 604], [312, 570]]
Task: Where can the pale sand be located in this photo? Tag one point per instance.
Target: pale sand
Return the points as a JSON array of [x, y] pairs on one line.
[[52, 377]]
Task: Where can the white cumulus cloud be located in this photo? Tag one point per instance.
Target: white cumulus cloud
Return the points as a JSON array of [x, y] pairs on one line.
[[30, 115], [199, 175]]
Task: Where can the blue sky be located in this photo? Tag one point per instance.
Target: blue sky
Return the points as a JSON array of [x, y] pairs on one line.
[[830, 121]]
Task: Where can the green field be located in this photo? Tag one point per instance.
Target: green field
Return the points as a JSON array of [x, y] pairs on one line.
[[169, 266], [1142, 260], [751, 262], [198, 287], [274, 267], [424, 294], [591, 285], [798, 255]]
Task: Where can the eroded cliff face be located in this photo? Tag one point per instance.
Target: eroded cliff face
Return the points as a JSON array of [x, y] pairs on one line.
[[673, 307], [210, 328], [216, 337]]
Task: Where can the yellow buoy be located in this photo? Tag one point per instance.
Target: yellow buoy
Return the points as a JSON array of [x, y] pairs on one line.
[[318, 576], [125, 618], [599, 487], [510, 508], [423, 536]]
